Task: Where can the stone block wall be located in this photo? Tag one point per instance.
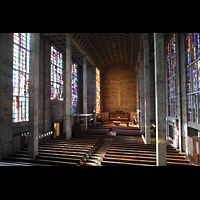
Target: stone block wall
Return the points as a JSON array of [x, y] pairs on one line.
[[119, 89]]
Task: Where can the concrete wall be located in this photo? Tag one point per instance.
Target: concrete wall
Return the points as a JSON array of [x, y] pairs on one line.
[[6, 62], [152, 90], [50, 111], [123, 99], [91, 88]]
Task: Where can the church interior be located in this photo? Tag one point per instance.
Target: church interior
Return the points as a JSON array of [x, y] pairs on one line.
[[99, 99]]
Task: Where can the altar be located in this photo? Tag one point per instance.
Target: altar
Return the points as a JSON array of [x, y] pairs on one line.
[[116, 123], [82, 115]]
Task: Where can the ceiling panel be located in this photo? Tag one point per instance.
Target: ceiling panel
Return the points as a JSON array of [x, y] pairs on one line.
[[104, 49]]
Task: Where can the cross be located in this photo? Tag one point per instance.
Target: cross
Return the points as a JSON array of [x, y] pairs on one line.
[[118, 88]]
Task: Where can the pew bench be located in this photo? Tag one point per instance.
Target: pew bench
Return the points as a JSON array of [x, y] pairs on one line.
[[183, 160], [39, 161], [60, 153], [178, 156], [112, 163]]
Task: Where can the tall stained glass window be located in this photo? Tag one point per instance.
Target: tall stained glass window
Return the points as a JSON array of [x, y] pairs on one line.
[[172, 89], [97, 90], [56, 74], [74, 88], [192, 61], [21, 59]]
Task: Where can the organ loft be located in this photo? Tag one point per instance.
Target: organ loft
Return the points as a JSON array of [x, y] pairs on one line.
[[99, 99]]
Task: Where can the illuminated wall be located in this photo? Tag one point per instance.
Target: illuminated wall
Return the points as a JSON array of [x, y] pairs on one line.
[[56, 74], [172, 88], [193, 76], [21, 59], [74, 88], [97, 90]]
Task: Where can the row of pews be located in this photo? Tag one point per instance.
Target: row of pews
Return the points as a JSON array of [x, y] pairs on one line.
[[131, 151], [58, 152]]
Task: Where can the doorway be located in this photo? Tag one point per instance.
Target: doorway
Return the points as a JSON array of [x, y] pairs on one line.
[[56, 129], [171, 131]]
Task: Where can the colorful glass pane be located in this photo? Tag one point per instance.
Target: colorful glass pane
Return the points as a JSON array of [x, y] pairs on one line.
[[192, 46], [56, 78], [97, 90], [171, 65], [74, 88], [21, 62]]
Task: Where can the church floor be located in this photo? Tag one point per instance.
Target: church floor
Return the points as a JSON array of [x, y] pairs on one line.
[[97, 147]]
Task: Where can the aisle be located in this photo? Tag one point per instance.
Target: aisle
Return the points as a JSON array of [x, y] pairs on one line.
[[96, 158]]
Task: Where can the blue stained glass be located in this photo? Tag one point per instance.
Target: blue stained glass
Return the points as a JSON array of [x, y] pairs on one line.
[[56, 75], [21, 61], [74, 88]]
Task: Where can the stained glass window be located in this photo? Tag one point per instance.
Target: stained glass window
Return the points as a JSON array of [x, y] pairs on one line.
[[97, 90], [56, 74], [21, 61], [172, 89], [192, 46], [74, 88]]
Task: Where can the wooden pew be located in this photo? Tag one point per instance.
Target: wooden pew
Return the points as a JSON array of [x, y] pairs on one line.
[[51, 156], [40, 161], [125, 150], [11, 163], [178, 156], [86, 151], [72, 152], [114, 163], [60, 152], [138, 150], [183, 160], [62, 159], [109, 163]]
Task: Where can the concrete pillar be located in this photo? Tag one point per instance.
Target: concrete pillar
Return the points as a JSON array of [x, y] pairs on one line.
[[142, 116], [85, 89], [68, 87], [147, 88], [6, 92], [160, 95], [184, 124], [34, 95]]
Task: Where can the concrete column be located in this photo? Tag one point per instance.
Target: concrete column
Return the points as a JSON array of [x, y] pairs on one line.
[[34, 95], [6, 73], [68, 87], [142, 116], [85, 89], [160, 95], [147, 88], [184, 124]]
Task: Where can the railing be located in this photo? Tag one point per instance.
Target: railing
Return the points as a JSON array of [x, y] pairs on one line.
[[39, 135]]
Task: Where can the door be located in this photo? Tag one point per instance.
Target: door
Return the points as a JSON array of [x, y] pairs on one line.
[[171, 131], [56, 129]]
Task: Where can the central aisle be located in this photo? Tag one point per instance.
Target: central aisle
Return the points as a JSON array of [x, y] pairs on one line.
[[96, 158]]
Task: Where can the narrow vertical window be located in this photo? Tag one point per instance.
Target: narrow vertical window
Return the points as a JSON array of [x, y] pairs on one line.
[[172, 89], [192, 57], [74, 88], [21, 61], [97, 90], [56, 74]]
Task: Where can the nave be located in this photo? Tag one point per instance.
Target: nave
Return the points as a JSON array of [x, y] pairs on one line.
[[97, 147]]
